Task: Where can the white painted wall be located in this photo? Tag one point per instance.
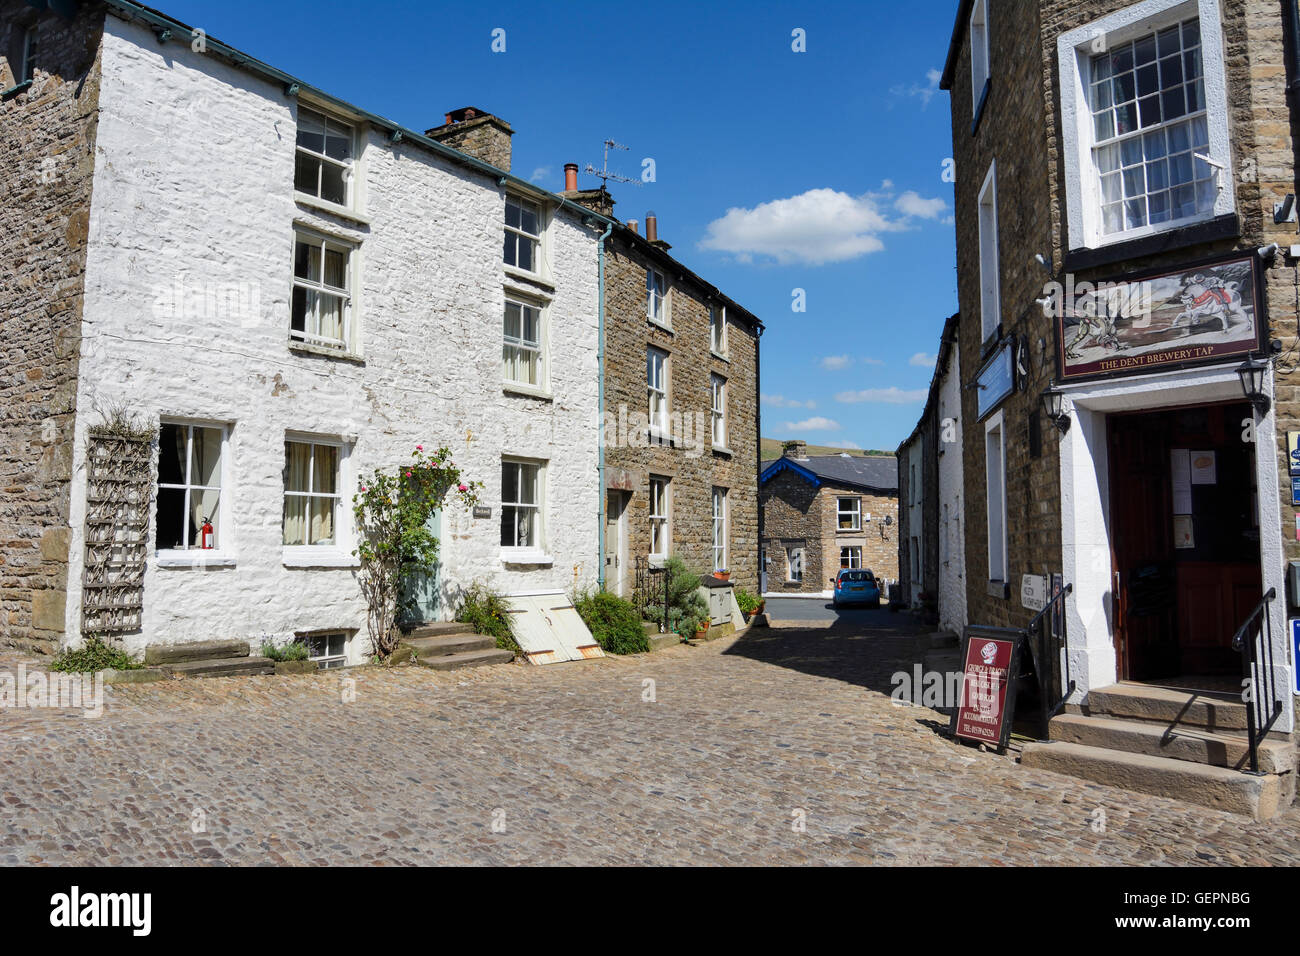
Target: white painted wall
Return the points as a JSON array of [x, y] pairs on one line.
[[194, 180], [952, 533], [1086, 528]]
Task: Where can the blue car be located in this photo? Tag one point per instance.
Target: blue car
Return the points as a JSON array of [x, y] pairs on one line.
[[856, 587]]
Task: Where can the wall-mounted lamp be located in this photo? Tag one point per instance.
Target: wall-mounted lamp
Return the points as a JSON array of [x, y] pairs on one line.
[[1054, 405], [1254, 377]]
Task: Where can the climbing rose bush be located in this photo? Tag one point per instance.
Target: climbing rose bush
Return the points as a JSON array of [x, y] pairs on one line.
[[392, 511]]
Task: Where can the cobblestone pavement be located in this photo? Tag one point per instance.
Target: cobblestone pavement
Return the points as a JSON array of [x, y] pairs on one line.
[[777, 747]]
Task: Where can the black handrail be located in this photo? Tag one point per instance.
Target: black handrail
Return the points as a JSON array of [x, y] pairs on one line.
[[1257, 674], [1042, 622]]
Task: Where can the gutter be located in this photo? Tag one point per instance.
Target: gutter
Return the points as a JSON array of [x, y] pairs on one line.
[[603, 494]]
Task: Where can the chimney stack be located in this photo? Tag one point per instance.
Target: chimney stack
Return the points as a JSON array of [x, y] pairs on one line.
[[477, 133], [570, 177], [633, 224], [651, 226], [795, 449]]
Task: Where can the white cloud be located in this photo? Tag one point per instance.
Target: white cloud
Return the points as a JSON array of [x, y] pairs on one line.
[[911, 203], [847, 445], [887, 396], [872, 361], [780, 401], [540, 173], [923, 93], [922, 360], [814, 424], [836, 362]]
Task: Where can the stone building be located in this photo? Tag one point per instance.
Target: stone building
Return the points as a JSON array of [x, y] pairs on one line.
[[822, 513], [681, 412], [1128, 335], [931, 549], [289, 291]]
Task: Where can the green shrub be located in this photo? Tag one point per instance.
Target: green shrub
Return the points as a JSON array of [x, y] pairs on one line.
[[687, 609], [485, 610], [613, 622], [94, 655], [748, 602], [293, 651]]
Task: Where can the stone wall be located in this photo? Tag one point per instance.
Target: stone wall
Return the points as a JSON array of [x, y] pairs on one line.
[[692, 464], [49, 134]]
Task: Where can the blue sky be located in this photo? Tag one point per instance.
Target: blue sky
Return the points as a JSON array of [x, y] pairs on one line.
[[775, 170]]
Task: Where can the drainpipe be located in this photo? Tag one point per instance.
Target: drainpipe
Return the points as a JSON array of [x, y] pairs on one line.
[[602, 494], [1291, 41]]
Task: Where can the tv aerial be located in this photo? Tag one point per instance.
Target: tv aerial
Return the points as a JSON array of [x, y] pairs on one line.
[[604, 174]]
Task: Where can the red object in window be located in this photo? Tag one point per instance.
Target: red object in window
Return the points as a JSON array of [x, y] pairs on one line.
[[205, 536]]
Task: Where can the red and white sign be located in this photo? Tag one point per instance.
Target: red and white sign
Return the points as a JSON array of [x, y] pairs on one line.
[[981, 710]]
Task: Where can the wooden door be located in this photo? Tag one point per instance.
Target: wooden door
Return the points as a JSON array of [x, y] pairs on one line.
[[615, 560]]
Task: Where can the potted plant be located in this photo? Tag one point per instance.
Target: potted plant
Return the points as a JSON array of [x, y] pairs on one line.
[[702, 630], [722, 574]]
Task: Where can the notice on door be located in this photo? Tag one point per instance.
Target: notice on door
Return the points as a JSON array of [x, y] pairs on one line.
[[1180, 468], [987, 699], [1204, 471]]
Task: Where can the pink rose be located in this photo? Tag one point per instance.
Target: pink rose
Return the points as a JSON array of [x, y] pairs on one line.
[[419, 448], [364, 488], [408, 474], [464, 487]]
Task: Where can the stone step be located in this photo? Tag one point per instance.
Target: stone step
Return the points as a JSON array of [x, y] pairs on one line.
[[437, 629], [1166, 705], [221, 667], [194, 651], [450, 644], [1194, 744], [1219, 788], [451, 662]]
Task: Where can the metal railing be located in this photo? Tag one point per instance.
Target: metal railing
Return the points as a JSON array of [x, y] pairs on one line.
[[1253, 643], [1044, 639]]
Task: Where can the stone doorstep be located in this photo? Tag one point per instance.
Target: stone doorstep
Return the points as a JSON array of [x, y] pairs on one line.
[[1218, 788], [136, 675], [450, 662], [436, 646], [436, 629], [659, 641], [220, 667], [1180, 743], [1167, 706], [196, 651]]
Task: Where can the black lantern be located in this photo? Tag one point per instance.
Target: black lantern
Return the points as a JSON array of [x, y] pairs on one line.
[[1254, 378], [1054, 405]]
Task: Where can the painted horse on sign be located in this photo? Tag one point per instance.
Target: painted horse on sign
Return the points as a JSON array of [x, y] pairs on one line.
[[1208, 298]]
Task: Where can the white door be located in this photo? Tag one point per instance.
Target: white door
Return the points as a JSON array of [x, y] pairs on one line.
[[615, 561]]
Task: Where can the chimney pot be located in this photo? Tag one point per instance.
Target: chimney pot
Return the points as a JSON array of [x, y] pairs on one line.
[[632, 224], [651, 226], [570, 177], [795, 449]]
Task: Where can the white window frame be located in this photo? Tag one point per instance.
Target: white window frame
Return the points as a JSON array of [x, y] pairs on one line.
[[522, 235], [979, 53], [349, 167], [855, 512], [853, 553], [660, 509], [327, 661], [342, 516], [721, 529], [990, 255], [348, 343], [718, 409], [543, 366], [657, 393], [995, 497], [657, 298], [1074, 50], [224, 533], [794, 563], [538, 507], [718, 330]]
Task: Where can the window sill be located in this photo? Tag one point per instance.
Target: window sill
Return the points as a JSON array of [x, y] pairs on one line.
[[194, 559], [6, 95], [720, 356], [306, 348], [533, 278], [657, 436], [723, 450], [515, 388], [299, 557], [322, 205], [526, 556], [848, 531], [999, 589], [1227, 226], [660, 325]]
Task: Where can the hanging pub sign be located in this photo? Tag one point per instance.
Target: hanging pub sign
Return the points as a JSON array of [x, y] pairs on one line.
[[1199, 313], [987, 700], [996, 380]]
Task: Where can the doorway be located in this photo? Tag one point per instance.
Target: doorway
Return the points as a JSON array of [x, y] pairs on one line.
[[615, 541], [1184, 520]]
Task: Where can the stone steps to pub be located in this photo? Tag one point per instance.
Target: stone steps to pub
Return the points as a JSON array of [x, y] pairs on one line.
[[452, 646], [207, 659], [1181, 744]]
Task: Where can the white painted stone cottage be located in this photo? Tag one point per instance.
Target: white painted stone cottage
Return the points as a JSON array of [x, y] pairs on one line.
[[296, 292]]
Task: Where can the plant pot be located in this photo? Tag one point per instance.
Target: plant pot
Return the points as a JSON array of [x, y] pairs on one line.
[[700, 634], [722, 575]]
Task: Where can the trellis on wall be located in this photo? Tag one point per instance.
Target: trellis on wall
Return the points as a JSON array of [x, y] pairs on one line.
[[119, 485]]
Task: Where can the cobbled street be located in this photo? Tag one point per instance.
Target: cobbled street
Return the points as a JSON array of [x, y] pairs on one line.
[[778, 747]]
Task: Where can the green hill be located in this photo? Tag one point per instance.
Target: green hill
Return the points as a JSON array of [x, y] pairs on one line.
[[771, 448]]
